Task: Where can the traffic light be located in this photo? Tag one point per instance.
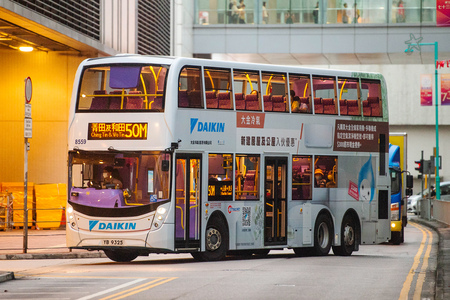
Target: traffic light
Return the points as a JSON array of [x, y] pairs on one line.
[[419, 166]]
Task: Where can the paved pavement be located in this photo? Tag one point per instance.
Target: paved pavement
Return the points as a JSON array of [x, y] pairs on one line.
[[48, 244]]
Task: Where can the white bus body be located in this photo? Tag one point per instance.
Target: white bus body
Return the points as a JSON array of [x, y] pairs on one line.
[[200, 173]]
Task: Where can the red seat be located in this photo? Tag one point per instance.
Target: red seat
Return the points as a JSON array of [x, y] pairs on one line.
[[329, 107], [224, 100], [374, 103], [157, 102], [343, 107], [252, 102], [267, 103], [183, 100], [116, 101], [100, 103], [353, 108], [318, 106], [367, 111], [211, 100], [134, 102], [278, 103], [240, 102], [305, 105]]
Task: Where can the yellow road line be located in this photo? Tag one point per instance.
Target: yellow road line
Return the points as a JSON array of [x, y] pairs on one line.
[[421, 277], [140, 288], [407, 284]]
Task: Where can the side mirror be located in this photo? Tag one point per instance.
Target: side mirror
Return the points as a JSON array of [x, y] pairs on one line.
[[409, 181]]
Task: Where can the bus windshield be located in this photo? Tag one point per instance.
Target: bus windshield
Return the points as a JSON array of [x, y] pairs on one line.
[[122, 88], [119, 179]]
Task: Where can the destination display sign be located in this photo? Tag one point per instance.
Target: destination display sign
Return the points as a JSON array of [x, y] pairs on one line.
[[117, 131], [220, 190]]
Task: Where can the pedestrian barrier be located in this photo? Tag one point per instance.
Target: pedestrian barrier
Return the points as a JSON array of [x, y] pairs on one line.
[[45, 205], [5, 211]]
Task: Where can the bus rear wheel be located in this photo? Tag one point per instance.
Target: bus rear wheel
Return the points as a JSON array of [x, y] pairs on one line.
[[348, 237], [322, 235], [121, 255], [216, 241]]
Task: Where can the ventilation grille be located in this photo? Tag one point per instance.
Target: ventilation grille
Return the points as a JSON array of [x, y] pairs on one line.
[[154, 27], [83, 16]]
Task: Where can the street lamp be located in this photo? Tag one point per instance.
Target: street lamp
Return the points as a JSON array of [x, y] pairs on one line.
[[411, 49]]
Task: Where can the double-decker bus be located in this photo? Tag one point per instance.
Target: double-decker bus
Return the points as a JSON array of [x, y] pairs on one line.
[[182, 155]]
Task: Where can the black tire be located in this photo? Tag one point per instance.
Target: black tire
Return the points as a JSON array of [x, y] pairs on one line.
[[121, 255], [348, 237], [396, 237], [216, 241], [197, 256], [305, 251], [323, 234]]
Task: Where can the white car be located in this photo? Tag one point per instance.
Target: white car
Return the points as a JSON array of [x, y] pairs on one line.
[[413, 201]]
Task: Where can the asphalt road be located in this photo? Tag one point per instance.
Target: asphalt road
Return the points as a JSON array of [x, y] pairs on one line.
[[375, 272]]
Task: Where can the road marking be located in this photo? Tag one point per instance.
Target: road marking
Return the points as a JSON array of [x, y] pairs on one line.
[[112, 289], [421, 276], [140, 288], [407, 284]]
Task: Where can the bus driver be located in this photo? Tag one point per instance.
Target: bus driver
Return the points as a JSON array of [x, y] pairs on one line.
[[111, 177]]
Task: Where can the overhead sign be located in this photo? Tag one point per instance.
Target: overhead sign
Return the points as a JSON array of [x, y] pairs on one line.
[[117, 131], [28, 90]]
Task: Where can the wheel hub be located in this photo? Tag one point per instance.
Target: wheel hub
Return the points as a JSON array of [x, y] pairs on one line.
[[213, 239], [323, 235], [349, 235]]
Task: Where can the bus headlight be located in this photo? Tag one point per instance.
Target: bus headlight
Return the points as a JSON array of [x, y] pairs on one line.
[[161, 214], [70, 217], [395, 212]]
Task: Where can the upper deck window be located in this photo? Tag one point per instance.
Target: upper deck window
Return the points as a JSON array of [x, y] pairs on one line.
[[122, 88], [349, 95], [218, 88], [300, 93], [274, 90], [246, 90], [324, 92], [190, 92], [371, 98]]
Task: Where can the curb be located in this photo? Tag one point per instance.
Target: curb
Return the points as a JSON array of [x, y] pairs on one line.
[[51, 256], [5, 276]]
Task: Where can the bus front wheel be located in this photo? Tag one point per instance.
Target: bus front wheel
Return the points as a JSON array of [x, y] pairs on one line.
[[216, 240], [121, 255], [348, 237], [322, 235]]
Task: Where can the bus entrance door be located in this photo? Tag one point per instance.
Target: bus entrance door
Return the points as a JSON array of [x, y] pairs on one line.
[[187, 215], [275, 210]]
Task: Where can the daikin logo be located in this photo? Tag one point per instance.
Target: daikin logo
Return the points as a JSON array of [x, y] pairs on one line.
[[206, 126], [111, 225]]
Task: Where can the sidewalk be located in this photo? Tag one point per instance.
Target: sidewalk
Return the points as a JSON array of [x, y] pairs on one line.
[[443, 259]]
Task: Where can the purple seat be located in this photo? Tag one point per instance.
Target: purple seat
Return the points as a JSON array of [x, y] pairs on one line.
[[353, 108], [100, 103], [252, 102], [183, 100], [329, 107], [278, 103], [240, 102], [116, 102], [343, 107], [374, 103], [135, 102], [267, 103], [224, 100], [318, 106], [211, 100]]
